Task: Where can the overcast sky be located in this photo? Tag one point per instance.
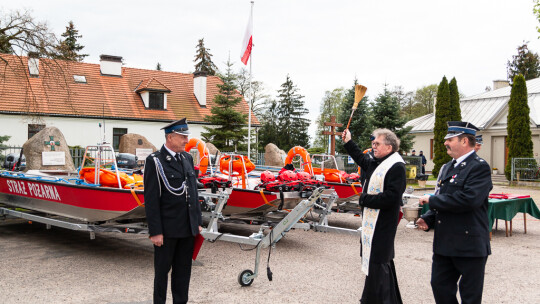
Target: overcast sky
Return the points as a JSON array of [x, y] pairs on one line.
[[322, 45]]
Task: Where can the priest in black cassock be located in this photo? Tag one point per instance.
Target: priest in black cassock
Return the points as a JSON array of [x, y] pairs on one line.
[[381, 201]]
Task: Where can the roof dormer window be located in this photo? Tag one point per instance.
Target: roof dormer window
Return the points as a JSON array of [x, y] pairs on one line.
[[156, 100], [153, 94]]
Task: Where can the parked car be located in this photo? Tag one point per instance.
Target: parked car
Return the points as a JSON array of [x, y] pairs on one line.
[[11, 160]]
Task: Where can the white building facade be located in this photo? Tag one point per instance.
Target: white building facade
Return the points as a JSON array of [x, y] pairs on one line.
[[488, 111]]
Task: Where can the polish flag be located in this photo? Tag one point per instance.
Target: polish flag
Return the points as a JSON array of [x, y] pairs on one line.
[[248, 41]]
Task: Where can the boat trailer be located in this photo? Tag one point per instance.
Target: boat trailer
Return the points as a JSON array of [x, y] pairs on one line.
[[320, 201]]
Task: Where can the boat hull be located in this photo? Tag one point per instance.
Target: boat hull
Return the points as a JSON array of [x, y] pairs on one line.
[[245, 202], [85, 203], [346, 192]]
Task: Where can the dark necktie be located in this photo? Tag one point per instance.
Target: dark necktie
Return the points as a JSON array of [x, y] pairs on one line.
[[450, 168], [179, 160]]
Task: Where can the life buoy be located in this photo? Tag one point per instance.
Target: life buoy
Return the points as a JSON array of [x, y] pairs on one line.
[[237, 164], [298, 150], [330, 175], [203, 153], [107, 178]]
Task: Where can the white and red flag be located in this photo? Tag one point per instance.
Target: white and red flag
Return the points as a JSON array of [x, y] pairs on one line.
[[248, 41]]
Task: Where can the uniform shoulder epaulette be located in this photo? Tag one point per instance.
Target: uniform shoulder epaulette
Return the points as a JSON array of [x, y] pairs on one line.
[[478, 158]]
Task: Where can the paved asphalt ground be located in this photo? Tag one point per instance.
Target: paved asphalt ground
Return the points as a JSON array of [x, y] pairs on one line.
[[64, 266]]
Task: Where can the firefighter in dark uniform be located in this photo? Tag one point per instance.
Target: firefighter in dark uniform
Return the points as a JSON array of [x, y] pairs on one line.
[[172, 211], [479, 143], [458, 213]]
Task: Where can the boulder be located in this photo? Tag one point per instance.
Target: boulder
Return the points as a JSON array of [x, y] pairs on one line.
[[49, 139], [273, 156], [212, 149], [330, 164], [130, 142]]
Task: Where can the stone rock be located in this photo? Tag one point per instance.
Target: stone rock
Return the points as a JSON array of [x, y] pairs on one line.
[[273, 156], [130, 142], [330, 164], [212, 149], [49, 139]]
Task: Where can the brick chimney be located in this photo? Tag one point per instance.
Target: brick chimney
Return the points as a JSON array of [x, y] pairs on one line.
[[110, 65], [199, 87], [33, 64], [497, 84]]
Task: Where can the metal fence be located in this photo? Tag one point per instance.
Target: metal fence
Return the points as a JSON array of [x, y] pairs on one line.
[[346, 164], [5, 150], [525, 169], [76, 153]]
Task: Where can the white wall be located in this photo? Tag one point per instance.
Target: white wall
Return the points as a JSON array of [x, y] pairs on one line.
[[84, 131]]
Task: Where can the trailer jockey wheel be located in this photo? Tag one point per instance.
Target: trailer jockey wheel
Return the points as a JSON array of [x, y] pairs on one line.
[[244, 278]]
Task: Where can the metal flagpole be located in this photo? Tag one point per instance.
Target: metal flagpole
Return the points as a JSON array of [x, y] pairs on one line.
[[250, 89]]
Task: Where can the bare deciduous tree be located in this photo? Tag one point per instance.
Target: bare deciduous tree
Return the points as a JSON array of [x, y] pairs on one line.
[[21, 37], [254, 96]]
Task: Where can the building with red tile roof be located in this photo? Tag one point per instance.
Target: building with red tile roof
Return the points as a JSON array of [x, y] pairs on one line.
[[87, 100]]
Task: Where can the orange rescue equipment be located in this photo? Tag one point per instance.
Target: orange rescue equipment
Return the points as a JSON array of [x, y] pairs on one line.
[[241, 165], [305, 157], [203, 153], [237, 164], [331, 175], [107, 178]]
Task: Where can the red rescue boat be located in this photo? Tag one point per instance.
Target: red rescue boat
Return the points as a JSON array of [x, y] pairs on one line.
[[82, 202], [65, 194]]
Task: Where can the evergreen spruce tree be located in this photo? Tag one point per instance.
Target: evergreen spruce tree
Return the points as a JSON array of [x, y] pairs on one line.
[[3, 139], [229, 125], [442, 116], [386, 114], [526, 63], [68, 49], [455, 109], [361, 126], [519, 141], [203, 60], [5, 44], [292, 125]]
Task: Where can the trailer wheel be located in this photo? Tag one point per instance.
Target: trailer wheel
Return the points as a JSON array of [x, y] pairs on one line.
[[243, 278]]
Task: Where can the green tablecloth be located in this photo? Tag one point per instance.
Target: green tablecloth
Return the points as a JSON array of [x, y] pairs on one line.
[[506, 209]]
